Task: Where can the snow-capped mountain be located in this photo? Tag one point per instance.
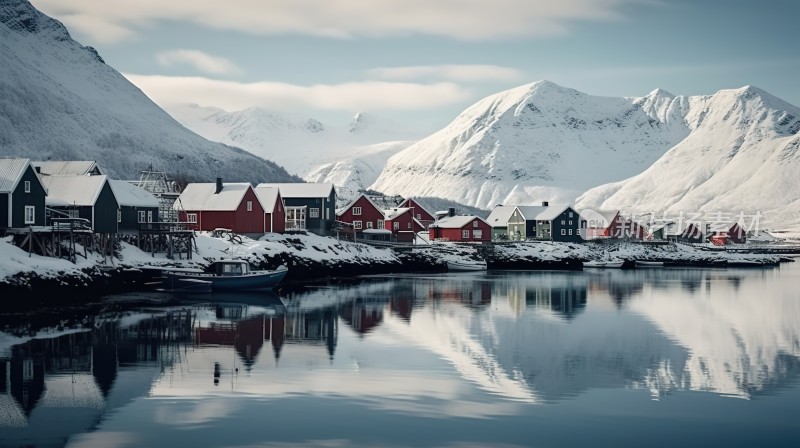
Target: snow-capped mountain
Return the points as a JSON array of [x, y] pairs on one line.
[[741, 158], [60, 101], [536, 142], [350, 155]]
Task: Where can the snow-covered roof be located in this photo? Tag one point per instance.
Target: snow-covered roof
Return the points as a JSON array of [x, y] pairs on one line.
[[420, 205], [267, 196], [500, 215], [11, 171], [129, 195], [353, 202], [455, 222], [376, 231], [66, 167], [393, 213], [541, 212], [201, 196], [75, 390], [302, 190], [73, 190], [596, 218]]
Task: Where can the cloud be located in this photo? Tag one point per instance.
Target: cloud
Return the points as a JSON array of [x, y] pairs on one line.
[[449, 72], [231, 95], [203, 62], [472, 20]]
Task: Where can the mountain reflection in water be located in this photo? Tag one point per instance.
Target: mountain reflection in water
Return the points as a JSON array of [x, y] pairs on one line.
[[447, 346]]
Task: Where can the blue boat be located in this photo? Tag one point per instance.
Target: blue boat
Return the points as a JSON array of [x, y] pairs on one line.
[[224, 275]]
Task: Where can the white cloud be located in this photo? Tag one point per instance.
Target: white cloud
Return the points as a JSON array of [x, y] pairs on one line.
[[230, 95], [449, 72], [199, 60], [108, 21]]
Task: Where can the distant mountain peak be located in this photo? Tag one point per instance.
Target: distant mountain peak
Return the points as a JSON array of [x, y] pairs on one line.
[[22, 17]]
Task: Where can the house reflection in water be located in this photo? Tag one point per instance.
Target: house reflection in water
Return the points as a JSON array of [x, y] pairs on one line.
[[470, 293]]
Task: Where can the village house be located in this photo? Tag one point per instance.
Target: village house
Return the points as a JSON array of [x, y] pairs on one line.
[[308, 206], [136, 206], [361, 215], [67, 168], [272, 203], [419, 212], [461, 228], [725, 232], [22, 195], [612, 224], [401, 222], [498, 219], [87, 197], [693, 233], [546, 222], [232, 206]]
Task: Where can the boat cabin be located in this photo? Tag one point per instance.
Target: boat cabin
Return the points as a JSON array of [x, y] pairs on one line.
[[231, 267]]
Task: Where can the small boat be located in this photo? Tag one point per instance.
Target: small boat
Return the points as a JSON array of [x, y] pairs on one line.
[[649, 264], [225, 275], [466, 265], [607, 264]]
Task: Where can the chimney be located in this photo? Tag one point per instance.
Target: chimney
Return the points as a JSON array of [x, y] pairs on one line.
[[38, 169], [219, 185], [545, 204], [451, 211]]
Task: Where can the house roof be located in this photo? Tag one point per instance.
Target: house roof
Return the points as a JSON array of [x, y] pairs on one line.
[[405, 203], [353, 202], [393, 213], [11, 171], [302, 190], [500, 215], [129, 195], [455, 222], [73, 190], [201, 196], [598, 217], [267, 196], [65, 167], [541, 212]]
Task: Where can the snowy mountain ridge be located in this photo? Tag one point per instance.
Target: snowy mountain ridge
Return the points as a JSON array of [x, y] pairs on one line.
[[60, 101]]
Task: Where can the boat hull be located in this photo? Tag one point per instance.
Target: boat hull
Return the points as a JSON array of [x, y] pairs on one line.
[[603, 264], [455, 266], [649, 264], [254, 281]]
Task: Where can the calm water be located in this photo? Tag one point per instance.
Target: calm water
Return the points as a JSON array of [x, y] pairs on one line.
[[658, 357]]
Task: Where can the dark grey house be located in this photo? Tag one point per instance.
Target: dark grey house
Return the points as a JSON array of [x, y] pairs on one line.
[[87, 197], [22, 195], [136, 206], [308, 206], [546, 222]]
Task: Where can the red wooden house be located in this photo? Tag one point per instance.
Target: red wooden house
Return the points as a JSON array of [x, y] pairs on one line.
[[272, 203], [461, 228], [621, 227], [419, 212], [402, 224], [362, 214], [724, 233], [692, 234], [209, 206]]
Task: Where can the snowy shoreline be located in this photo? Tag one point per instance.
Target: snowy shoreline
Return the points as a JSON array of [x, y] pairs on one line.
[[310, 257]]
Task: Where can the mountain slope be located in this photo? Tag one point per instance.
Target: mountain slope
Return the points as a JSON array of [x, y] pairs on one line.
[[351, 156], [59, 100], [537, 142], [742, 156]]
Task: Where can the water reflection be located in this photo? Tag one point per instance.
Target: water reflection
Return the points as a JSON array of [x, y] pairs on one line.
[[471, 345]]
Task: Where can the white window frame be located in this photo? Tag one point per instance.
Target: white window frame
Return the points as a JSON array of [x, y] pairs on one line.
[[381, 224], [477, 234], [357, 225], [142, 217], [474, 224], [419, 216], [563, 231], [313, 213], [191, 218], [27, 186], [356, 211], [249, 206], [465, 234], [570, 222], [149, 216], [570, 214], [570, 232], [369, 224], [119, 215], [295, 218], [395, 225], [30, 214], [563, 222], [409, 224]]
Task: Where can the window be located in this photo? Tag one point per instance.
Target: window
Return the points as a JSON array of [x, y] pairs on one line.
[[356, 211], [369, 224], [570, 222], [477, 234], [474, 224], [570, 214], [327, 213], [295, 218], [249, 206], [357, 225], [465, 234], [30, 214], [563, 222], [563, 232], [570, 231], [419, 216], [73, 213], [119, 215], [150, 216], [27, 186], [313, 213], [396, 225], [141, 216], [192, 217], [380, 224], [409, 224]]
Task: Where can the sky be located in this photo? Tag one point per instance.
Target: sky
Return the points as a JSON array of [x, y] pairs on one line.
[[422, 62]]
